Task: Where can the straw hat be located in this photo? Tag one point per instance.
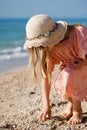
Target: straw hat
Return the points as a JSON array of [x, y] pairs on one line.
[[41, 30]]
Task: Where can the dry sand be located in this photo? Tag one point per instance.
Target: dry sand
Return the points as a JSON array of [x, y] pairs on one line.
[[20, 105]]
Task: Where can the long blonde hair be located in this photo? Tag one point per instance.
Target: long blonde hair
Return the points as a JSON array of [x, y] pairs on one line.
[[38, 62], [38, 58]]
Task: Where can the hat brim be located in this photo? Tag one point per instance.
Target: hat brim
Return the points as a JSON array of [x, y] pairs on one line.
[[50, 40]]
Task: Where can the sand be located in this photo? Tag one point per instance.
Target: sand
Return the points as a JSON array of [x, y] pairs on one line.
[[20, 105]]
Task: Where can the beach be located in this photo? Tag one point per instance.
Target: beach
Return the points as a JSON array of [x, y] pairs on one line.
[[21, 103]]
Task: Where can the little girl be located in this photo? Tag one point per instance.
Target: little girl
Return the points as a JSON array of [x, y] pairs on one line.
[[50, 43]]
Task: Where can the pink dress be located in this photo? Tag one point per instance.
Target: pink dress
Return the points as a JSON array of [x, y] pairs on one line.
[[71, 81]]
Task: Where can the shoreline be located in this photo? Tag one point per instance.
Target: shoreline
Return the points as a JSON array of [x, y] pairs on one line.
[[12, 64]]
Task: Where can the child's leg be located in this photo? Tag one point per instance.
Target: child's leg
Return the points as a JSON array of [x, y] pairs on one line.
[[68, 112], [77, 113]]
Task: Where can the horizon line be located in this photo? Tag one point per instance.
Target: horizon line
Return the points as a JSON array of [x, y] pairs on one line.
[[52, 17]]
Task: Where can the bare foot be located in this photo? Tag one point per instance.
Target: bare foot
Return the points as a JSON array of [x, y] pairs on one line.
[[68, 112], [77, 113]]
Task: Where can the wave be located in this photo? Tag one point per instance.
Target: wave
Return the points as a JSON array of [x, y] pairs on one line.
[[18, 52]]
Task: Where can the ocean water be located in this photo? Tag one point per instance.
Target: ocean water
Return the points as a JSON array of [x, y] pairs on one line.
[[12, 37]]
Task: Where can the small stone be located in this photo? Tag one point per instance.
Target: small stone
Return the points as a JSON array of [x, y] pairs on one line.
[[14, 126], [53, 104], [32, 93], [10, 126], [2, 100], [53, 127]]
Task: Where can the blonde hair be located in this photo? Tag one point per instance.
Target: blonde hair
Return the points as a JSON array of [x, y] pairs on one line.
[[38, 62], [39, 58]]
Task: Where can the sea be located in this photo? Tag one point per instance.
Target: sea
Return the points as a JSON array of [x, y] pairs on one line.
[[12, 38]]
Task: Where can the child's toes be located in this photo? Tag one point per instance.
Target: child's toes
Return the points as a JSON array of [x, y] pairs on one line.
[[66, 116], [74, 120]]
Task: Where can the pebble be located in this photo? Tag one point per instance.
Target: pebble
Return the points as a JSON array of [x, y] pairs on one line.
[[25, 115], [32, 93]]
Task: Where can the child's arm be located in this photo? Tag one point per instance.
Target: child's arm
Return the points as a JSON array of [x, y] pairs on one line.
[[46, 111]]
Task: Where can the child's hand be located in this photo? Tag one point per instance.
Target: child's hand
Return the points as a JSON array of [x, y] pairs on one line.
[[46, 112]]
